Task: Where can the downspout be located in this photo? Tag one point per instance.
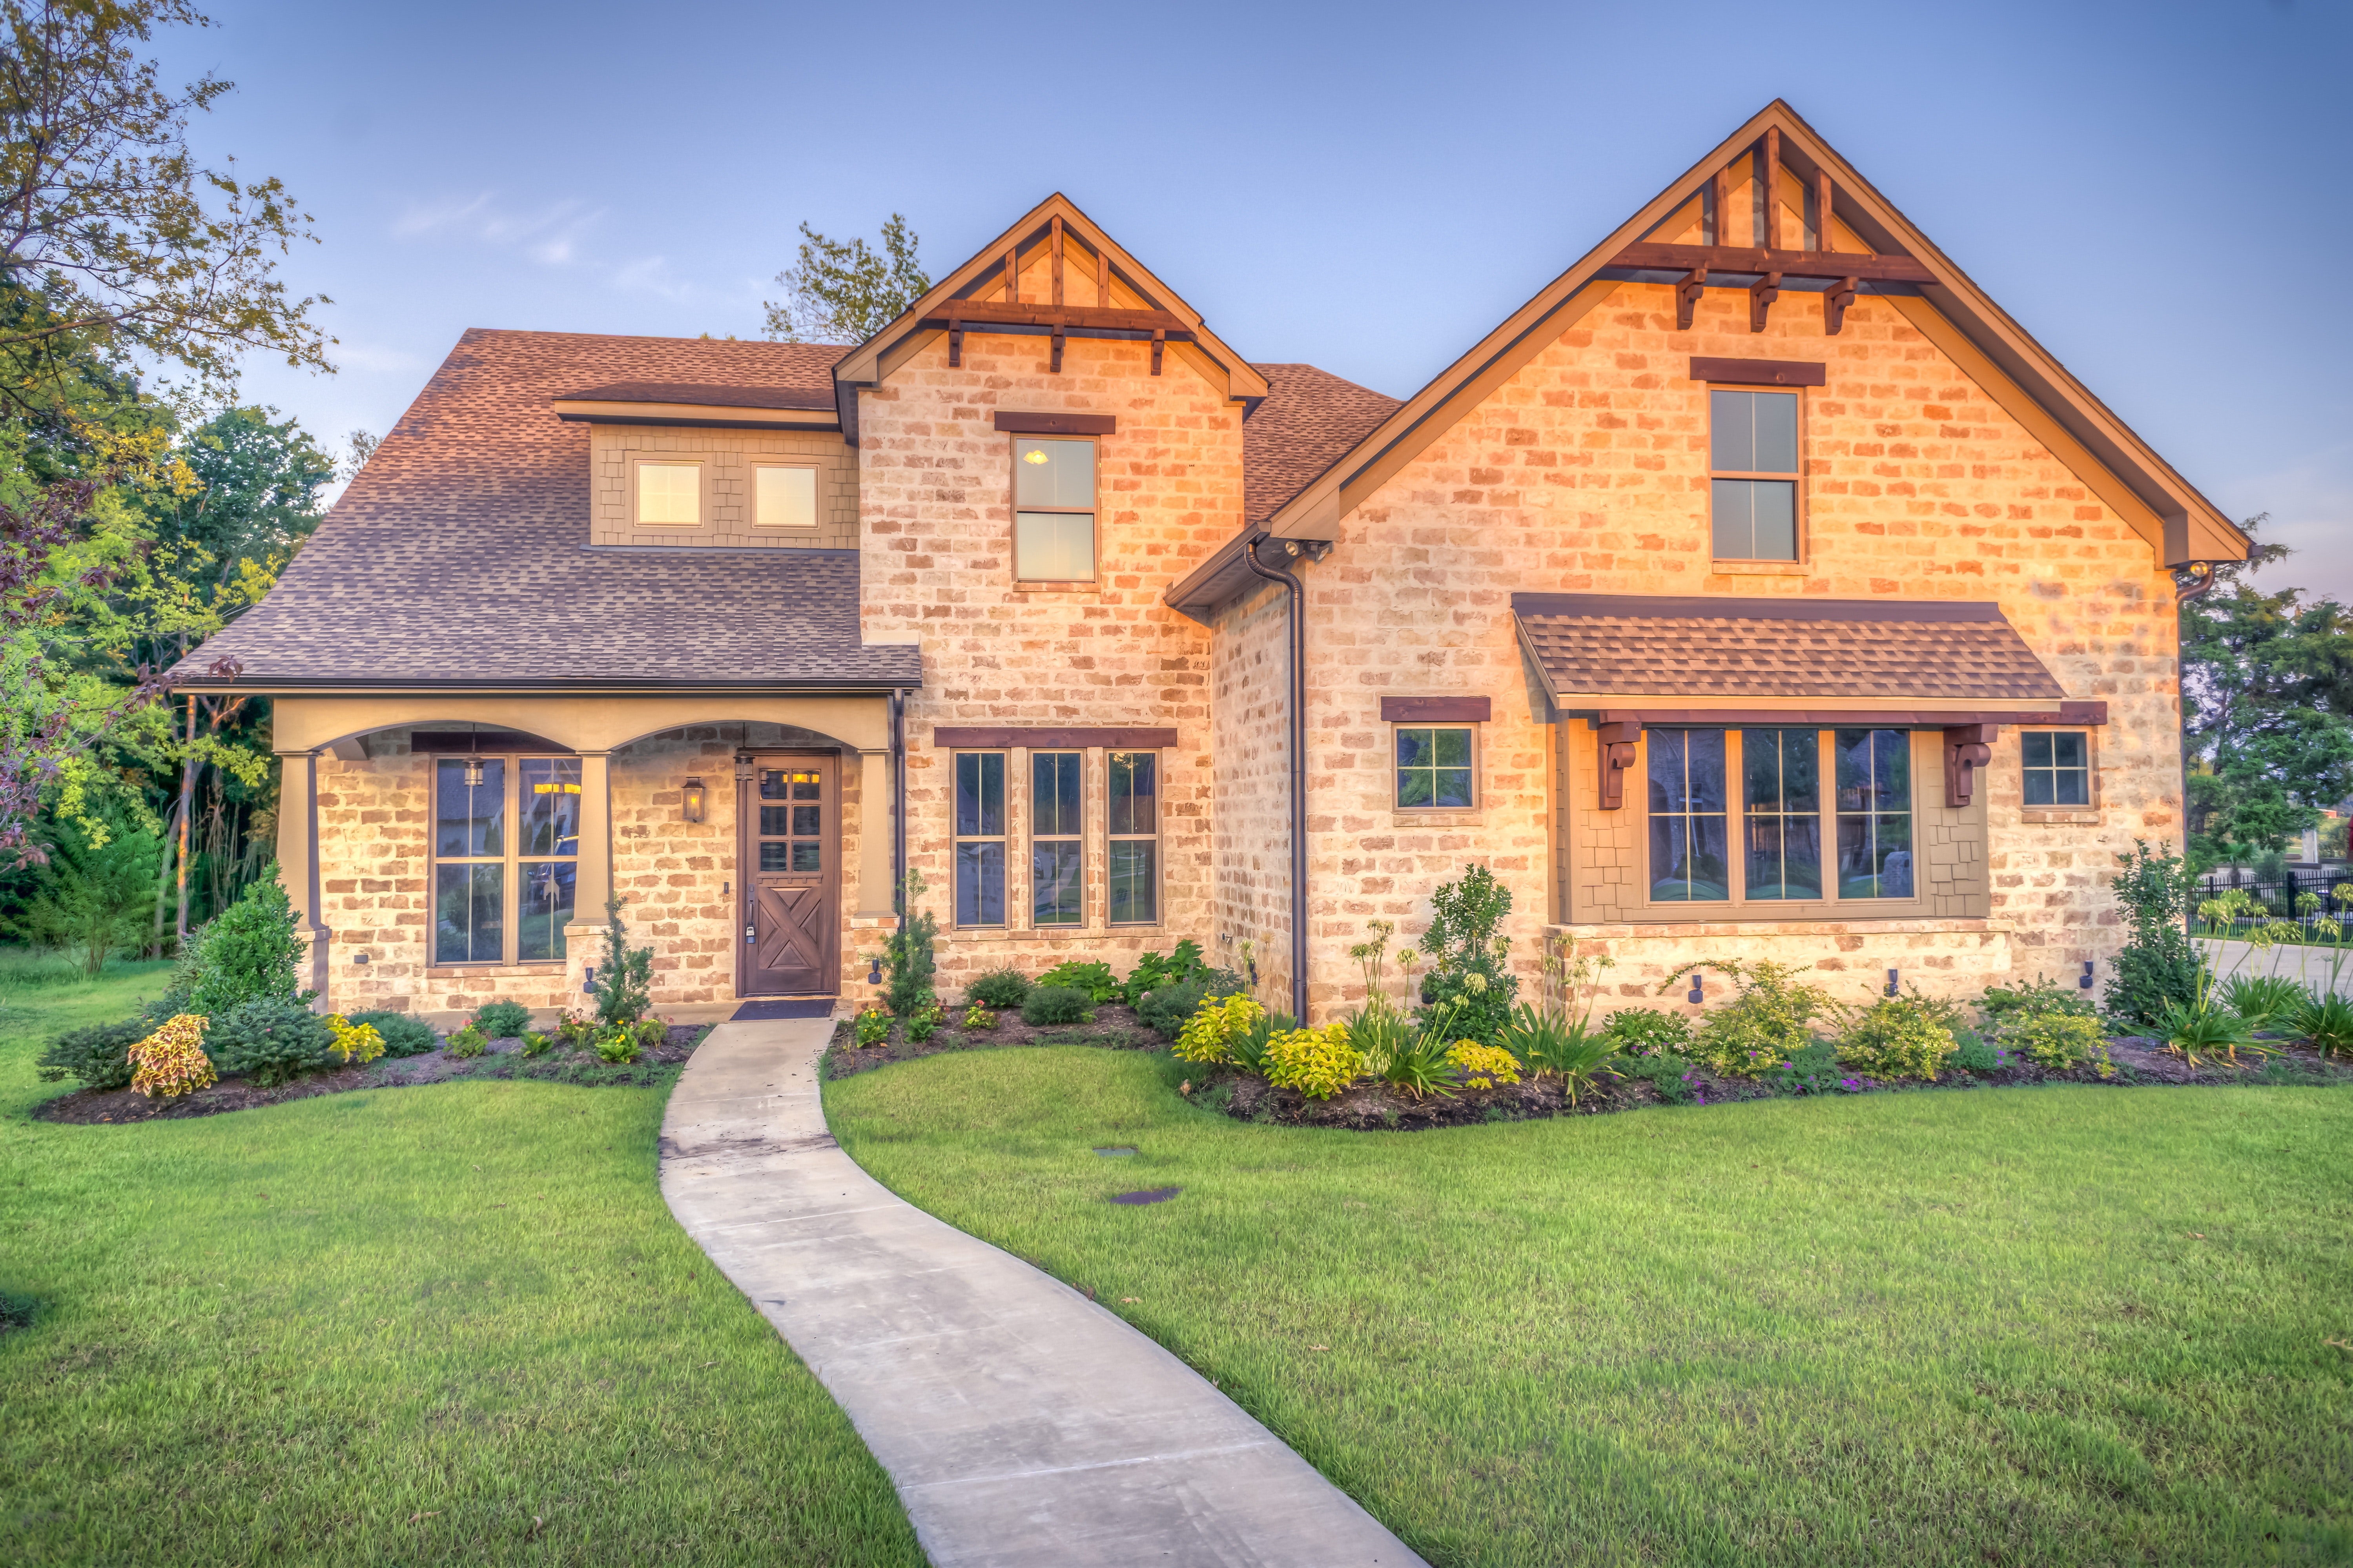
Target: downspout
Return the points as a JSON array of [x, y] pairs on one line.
[[2201, 583], [899, 807], [1297, 747]]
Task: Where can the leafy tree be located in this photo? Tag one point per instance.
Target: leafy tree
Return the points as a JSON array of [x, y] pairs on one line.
[[1469, 968], [2157, 967], [846, 291], [624, 985], [93, 897], [249, 953]]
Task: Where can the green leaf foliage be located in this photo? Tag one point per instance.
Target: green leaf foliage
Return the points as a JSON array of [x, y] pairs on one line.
[[624, 982], [98, 1054], [1470, 973], [1000, 988], [1057, 1004], [267, 1040], [248, 953], [503, 1020], [1095, 979], [404, 1034], [2156, 968]]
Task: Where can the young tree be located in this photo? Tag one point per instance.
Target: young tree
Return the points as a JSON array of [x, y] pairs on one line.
[[93, 897], [845, 292]]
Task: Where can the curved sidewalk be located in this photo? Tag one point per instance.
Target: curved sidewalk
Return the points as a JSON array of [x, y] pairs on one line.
[[1022, 1422]]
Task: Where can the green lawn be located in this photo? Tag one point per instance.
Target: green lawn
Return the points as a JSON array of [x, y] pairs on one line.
[[2066, 1325], [453, 1324]]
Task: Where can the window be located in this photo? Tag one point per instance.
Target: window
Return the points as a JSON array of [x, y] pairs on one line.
[[792, 820], [980, 839], [670, 493], [1135, 827], [1058, 881], [1053, 511], [1433, 770], [1752, 458], [1874, 813], [501, 897], [2058, 767], [1787, 818], [783, 495]]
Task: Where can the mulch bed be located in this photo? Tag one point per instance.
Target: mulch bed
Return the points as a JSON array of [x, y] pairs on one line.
[[501, 1059], [1115, 1027]]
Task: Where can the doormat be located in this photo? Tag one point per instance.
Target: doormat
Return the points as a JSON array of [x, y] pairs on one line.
[[767, 1011]]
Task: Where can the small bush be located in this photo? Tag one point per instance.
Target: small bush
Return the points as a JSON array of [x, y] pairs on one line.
[[2199, 1034], [617, 1044], [1058, 1004], [1006, 987], [873, 1026], [468, 1042], [1668, 1075], [354, 1044], [99, 1056], [623, 983], [1419, 1062], [1972, 1054], [248, 953], [911, 953], [535, 1044], [1094, 980], [1207, 1036], [172, 1061], [1898, 1037], [1642, 1032], [2061, 1042], [1470, 976], [1766, 1024], [574, 1030], [653, 1033], [1248, 1050], [1166, 1009], [1318, 1063], [269, 1040], [404, 1035], [1814, 1070], [2264, 1001], [2325, 1020], [1549, 1041], [2002, 1003], [503, 1020], [1152, 971], [1482, 1067], [2156, 968], [979, 1017], [920, 1026]]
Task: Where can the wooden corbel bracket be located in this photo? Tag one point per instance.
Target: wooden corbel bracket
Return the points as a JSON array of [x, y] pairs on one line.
[[956, 341], [1835, 300], [1616, 758], [1761, 294], [1687, 293], [1159, 344], [1056, 368], [1968, 747]]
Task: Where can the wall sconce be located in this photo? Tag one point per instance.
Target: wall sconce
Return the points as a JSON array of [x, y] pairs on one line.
[[588, 979], [875, 972], [694, 798], [1696, 996], [2086, 982], [1893, 989], [359, 958]]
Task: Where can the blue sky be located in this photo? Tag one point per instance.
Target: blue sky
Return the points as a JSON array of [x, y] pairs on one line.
[[2158, 192]]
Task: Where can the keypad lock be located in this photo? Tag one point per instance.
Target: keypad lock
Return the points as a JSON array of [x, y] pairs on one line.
[[749, 932]]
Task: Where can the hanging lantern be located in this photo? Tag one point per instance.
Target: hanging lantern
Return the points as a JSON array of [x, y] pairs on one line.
[[473, 772], [694, 800]]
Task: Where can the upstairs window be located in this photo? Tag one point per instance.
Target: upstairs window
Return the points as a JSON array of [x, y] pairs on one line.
[[1752, 458], [783, 495], [2058, 767], [1433, 769], [670, 493], [1053, 509]]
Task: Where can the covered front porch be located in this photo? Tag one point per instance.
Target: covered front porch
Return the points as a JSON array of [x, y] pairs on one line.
[[442, 851]]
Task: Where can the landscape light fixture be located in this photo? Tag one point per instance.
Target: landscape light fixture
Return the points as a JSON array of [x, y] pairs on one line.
[[2086, 982], [693, 807], [875, 972], [1892, 988], [1696, 996], [588, 979]]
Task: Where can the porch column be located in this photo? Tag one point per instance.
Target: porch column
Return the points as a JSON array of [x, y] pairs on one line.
[[592, 875], [875, 798], [298, 867]]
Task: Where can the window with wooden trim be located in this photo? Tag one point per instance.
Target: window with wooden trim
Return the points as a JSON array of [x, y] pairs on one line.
[[667, 493], [1058, 858], [783, 495], [1053, 509], [1752, 459], [1133, 825], [506, 850], [1436, 767], [980, 839], [2058, 767], [1799, 841]]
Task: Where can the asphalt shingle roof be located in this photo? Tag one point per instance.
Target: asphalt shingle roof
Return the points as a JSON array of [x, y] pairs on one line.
[[1308, 422]]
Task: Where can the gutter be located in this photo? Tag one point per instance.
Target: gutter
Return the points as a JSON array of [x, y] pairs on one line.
[[899, 810], [1297, 747]]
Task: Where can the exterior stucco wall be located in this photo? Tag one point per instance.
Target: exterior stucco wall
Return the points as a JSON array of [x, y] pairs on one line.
[[936, 483]]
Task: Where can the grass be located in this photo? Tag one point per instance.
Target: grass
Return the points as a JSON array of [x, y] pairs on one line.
[[2063, 1325], [449, 1324]]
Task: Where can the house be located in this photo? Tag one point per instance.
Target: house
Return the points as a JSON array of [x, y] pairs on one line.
[[1758, 589]]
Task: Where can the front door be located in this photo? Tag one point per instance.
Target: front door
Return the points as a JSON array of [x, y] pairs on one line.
[[791, 856]]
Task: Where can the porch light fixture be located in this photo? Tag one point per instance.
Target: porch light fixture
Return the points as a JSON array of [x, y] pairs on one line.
[[2086, 982], [473, 774], [875, 972], [693, 809], [1892, 988]]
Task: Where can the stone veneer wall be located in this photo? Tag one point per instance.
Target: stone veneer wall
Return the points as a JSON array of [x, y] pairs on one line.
[[1586, 471], [727, 486], [936, 478], [1250, 744], [679, 890]]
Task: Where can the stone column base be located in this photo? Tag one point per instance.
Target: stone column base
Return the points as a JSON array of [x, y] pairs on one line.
[[311, 964], [583, 947]]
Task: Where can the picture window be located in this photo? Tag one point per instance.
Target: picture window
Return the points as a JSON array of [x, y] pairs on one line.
[[1802, 792], [1752, 456], [669, 494], [1054, 510], [506, 851], [783, 495]]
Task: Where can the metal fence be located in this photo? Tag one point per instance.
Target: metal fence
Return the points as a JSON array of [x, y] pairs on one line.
[[2304, 896]]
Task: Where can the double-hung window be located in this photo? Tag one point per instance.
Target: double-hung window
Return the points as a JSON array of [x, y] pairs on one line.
[[1752, 459], [1053, 509], [1824, 817], [1065, 793], [506, 850], [1135, 827], [1058, 858], [980, 839], [2058, 767]]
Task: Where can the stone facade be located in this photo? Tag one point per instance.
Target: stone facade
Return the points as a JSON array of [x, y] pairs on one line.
[[1251, 743]]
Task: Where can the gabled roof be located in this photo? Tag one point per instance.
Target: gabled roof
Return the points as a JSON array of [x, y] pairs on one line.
[[459, 555], [1952, 311], [983, 281]]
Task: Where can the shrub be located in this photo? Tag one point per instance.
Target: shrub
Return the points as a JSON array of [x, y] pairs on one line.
[[1550, 1041], [172, 1061], [2324, 1019], [404, 1035], [468, 1042], [1972, 1054], [2264, 1001], [1897, 1037], [2158, 969], [1470, 971], [920, 1026], [652, 1032], [1482, 1067], [1669, 1075], [623, 983], [248, 953], [1152, 971], [535, 1044], [99, 1054], [1093, 980], [912, 952], [2043, 996], [1417, 1063], [617, 1045], [1166, 1007], [1058, 1004], [1207, 1036], [1813, 1070], [503, 1020], [1318, 1063], [1645, 1032], [1006, 987], [269, 1040], [979, 1017], [354, 1044], [1766, 1024], [574, 1030], [93, 898], [2059, 1041], [2200, 1034], [873, 1026], [1248, 1048]]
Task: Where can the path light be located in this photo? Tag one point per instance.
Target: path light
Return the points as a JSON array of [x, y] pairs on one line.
[[693, 807], [1892, 988], [2086, 982]]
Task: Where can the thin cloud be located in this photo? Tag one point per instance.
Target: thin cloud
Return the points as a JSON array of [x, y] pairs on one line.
[[549, 235]]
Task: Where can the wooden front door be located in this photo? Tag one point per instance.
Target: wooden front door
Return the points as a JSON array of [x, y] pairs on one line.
[[791, 855]]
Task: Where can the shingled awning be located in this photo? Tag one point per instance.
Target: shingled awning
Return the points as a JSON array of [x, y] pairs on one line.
[[1658, 660]]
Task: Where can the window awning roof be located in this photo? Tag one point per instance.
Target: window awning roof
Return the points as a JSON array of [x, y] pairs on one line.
[[1695, 660]]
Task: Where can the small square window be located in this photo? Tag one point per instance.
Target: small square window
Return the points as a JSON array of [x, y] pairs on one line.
[[1433, 770], [784, 496], [2058, 767], [670, 493]]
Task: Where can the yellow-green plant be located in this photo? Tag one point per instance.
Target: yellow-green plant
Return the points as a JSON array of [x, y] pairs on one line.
[[354, 1045], [1766, 1022], [1207, 1036], [1318, 1063], [2060, 1041], [979, 1017], [171, 1062], [468, 1041], [1482, 1067], [1898, 1037]]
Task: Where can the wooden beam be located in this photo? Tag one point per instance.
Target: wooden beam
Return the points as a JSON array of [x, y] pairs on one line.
[[974, 312], [1687, 293], [1055, 365], [1723, 208], [1159, 342], [1822, 211], [1761, 294], [1013, 275], [1102, 279], [1790, 263], [955, 343], [1058, 280], [1835, 300], [1773, 189]]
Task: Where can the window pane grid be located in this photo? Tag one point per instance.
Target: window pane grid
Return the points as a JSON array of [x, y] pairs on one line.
[[1781, 773], [1874, 813], [979, 820], [1058, 842], [1053, 511], [1753, 468], [1433, 769], [1688, 861], [476, 858], [1133, 818], [2058, 769]]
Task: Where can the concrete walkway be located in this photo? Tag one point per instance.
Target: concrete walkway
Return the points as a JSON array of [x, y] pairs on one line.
[[2307, 966], [1023, 1424]]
